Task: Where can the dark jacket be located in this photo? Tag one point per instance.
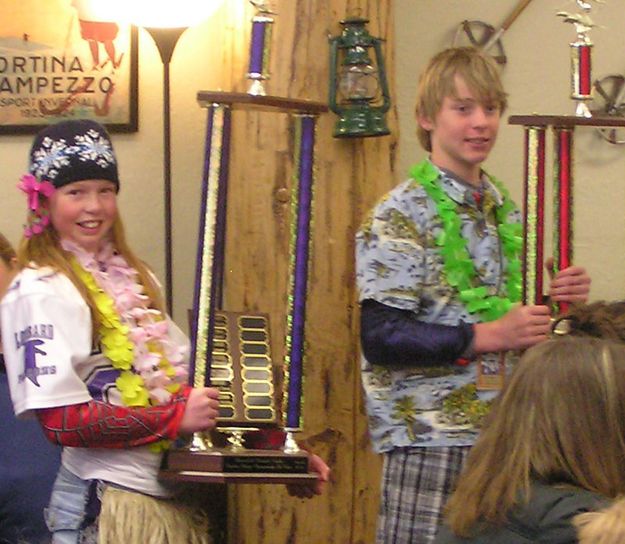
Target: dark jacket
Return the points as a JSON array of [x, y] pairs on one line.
[[547, 518], [28, 467]]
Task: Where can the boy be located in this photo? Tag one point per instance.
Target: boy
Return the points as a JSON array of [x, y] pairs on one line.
[[439, 274]]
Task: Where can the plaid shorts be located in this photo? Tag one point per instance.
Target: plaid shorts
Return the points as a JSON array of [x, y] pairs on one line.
[[416, 483]]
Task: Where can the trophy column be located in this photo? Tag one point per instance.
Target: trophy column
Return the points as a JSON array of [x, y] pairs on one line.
[[534, 215], [563, 201], [298, 275], [563, 127], [231, 350], [210, 254], [211, 249]]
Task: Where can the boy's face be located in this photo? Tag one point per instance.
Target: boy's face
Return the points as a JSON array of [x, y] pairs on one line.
[[463, 132]]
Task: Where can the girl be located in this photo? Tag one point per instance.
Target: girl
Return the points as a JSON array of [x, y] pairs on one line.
[[553, 446], [28, 463], [94, 356], [91, 352]]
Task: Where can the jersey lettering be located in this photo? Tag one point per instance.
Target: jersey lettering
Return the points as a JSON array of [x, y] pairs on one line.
[[40, 330]]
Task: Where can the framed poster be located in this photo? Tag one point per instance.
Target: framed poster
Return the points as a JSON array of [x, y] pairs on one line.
[[62, 59]]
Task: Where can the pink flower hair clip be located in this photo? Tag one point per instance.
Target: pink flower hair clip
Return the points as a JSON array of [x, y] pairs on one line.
[[39, 218]]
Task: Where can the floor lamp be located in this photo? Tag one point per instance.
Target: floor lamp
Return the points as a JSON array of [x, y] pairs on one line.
[[166, 39], [165, 21]]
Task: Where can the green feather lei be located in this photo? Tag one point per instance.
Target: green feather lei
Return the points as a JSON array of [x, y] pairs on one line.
[[458, 268]]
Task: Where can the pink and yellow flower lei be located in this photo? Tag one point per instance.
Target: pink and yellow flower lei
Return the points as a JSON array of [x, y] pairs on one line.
[[133, 336]]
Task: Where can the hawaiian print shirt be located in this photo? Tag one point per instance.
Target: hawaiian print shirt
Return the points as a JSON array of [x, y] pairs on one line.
[[399, 264]]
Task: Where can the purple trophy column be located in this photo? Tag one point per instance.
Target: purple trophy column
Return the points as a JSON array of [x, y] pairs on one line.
[[257, 46], [260, 46], [298, 273]]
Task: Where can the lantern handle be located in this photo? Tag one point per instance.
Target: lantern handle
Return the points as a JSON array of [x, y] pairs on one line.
[[386, 96]]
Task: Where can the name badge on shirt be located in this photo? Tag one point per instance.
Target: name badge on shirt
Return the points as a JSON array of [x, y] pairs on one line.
[[491, 371]]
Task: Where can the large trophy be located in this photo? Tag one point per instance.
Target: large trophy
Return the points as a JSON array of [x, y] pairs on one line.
[[231, 350]]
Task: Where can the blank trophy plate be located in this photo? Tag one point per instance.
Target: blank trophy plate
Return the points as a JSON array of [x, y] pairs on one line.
[[241, 368]]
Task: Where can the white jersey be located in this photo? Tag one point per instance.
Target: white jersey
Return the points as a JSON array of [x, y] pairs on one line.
[[47, 340]]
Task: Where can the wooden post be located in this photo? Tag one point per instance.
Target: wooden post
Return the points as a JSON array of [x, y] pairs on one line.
[[349, 177]]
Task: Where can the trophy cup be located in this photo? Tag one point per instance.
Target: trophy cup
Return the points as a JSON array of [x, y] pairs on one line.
[[231, 350], [260, 47], [581, 49]]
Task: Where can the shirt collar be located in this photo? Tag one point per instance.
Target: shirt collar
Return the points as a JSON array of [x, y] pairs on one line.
[[461, 191]]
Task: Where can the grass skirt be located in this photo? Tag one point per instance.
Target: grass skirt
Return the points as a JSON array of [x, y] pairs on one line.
[[133, 518]]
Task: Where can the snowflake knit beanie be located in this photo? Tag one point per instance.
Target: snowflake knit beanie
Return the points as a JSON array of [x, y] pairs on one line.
[[74, 150]]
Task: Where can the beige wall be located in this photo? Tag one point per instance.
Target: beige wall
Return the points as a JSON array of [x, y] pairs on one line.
[[537, 79]]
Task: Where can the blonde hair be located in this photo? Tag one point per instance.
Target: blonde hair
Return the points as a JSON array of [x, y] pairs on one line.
[[603, 527], [558, 421], [437, 82], [45, 250], [7, 253]]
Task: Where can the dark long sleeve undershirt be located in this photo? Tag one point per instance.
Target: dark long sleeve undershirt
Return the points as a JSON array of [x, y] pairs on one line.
[[391, 336]]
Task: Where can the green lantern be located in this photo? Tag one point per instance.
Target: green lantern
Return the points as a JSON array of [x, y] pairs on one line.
[[358, 88]]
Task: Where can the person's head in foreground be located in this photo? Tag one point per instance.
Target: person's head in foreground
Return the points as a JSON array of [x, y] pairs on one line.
[[556, 431]]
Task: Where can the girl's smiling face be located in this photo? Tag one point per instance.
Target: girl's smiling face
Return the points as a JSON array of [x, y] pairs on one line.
[[83, 212]]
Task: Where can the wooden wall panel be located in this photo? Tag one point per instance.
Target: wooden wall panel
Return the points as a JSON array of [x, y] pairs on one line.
[[350, 176]]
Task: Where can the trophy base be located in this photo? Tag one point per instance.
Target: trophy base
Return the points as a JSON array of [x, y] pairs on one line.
[[219, 465]]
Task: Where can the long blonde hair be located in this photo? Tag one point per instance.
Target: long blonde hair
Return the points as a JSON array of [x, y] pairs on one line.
[[560, 420], [45, 250]]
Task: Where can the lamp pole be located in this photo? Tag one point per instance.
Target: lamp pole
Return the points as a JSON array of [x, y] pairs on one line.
[[166, 39]]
